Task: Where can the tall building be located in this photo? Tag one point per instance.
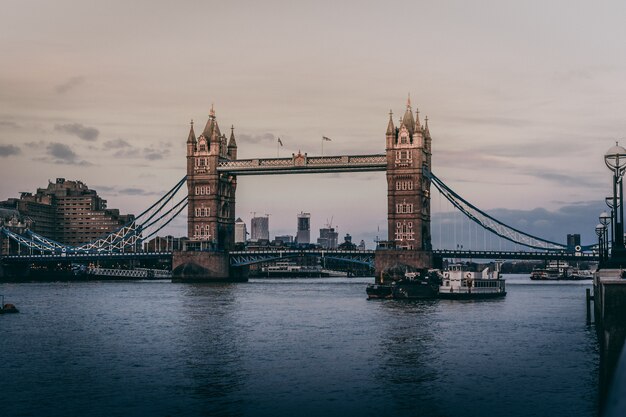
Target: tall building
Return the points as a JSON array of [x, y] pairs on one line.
[[284, 239], [304, 228], [573, 241], [328, 238], [211, 195], [260, 228], [68, 212], [241, 231], [408, 190]]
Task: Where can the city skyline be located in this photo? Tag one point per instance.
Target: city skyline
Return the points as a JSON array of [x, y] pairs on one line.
[[522, 105]]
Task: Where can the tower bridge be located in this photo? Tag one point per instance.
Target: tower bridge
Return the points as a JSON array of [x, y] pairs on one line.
[[211, 179], [213, 168]]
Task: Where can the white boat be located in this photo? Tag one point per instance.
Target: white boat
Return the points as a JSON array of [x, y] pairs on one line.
[[559, 271], [460, 282]]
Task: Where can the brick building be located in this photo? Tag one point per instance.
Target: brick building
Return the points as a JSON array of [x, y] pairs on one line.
[[68, 212]]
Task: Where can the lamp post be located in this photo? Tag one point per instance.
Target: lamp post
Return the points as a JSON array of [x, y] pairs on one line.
[[605, 219], [599, 231], [609, 203], [615, 160]]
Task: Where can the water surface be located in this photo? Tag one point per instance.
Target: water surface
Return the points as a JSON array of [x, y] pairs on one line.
[[287, 347]]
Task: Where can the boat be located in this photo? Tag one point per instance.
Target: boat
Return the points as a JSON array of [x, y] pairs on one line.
[[7, 308], [421, 284], [559, 271], [461, 282], [284, 269]]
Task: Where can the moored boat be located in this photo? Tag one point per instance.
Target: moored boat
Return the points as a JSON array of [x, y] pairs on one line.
[[459, 282], [421, 284], [7, 308], [559, 271]]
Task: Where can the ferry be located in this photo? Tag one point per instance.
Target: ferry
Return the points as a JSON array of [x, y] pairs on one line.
[[559, 271], [289, 269], [413, 285], [459, 282]]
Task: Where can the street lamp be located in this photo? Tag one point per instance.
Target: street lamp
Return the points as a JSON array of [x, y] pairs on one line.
[[609, 203], [605, 219], [615, 160], [599, 232]]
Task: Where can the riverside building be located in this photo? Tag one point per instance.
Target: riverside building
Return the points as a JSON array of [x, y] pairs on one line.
[[68, 212]]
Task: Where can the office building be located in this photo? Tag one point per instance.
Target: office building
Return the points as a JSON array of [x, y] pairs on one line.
[[260, 228], [328, 238], [304, 228], [241, 231]]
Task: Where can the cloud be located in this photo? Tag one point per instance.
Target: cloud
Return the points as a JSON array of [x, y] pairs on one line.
[[135, 191], [77, 129], [580, 217], [70, 84], [8, 150], [35, 144], [12, 125], [564, 179], [62, 154], [150, 153], [116, 144], [490, 121], [263, 137]]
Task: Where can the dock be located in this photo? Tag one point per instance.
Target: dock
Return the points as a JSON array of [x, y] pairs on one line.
[[609, 296]]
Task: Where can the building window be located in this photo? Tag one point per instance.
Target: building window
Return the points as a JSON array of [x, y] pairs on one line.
[[404, 208]]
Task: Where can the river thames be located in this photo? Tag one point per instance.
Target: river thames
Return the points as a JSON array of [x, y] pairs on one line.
[[305, 347]]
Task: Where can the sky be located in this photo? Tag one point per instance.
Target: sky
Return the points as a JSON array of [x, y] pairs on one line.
[[523, 100]]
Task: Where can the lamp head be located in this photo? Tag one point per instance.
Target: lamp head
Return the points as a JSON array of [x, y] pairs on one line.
[[615, 158], [599, 230], [605, 218]]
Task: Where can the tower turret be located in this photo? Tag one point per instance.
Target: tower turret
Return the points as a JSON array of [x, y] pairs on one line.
[[191, 140], [232, 144], [391, 131]]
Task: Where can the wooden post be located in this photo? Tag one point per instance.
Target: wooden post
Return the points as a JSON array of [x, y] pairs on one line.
[[589, 298]]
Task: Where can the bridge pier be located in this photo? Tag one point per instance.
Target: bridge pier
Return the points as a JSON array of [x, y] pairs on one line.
[[189, 266], [391, 258]]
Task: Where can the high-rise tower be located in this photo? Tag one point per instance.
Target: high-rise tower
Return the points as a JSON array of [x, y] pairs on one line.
[[211, 195]]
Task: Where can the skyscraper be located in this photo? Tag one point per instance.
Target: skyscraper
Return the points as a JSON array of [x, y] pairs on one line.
[[328, 238], [241, 231], [304, 228], [260, 228]]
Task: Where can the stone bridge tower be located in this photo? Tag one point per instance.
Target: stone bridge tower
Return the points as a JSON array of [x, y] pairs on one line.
[[408, 149], [211, 195]]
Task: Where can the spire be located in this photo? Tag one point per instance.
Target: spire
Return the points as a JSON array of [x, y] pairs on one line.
[[390, 128], [231, 142], [192, 134], [211, 125], [426, 131], [407, 119], [418, 126]]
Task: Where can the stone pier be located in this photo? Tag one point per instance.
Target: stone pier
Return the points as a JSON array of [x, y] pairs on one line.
[[189, 266]]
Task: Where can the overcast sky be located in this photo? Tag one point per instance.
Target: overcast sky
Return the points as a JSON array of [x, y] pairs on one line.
[[523, 98]]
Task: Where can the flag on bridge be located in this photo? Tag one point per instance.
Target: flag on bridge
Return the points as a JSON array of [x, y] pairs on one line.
[[325, 138], [280, 142]]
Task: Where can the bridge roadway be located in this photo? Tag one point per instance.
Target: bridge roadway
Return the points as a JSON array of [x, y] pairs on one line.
[[304, 164], [521, 255], [364, 257], [78, 257]]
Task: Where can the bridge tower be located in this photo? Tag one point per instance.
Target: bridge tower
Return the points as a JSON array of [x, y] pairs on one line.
[[211, 195], [211, 207], [408, 150]]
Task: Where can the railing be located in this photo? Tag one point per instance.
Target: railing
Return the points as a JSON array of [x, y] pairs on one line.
[[304, 163]]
